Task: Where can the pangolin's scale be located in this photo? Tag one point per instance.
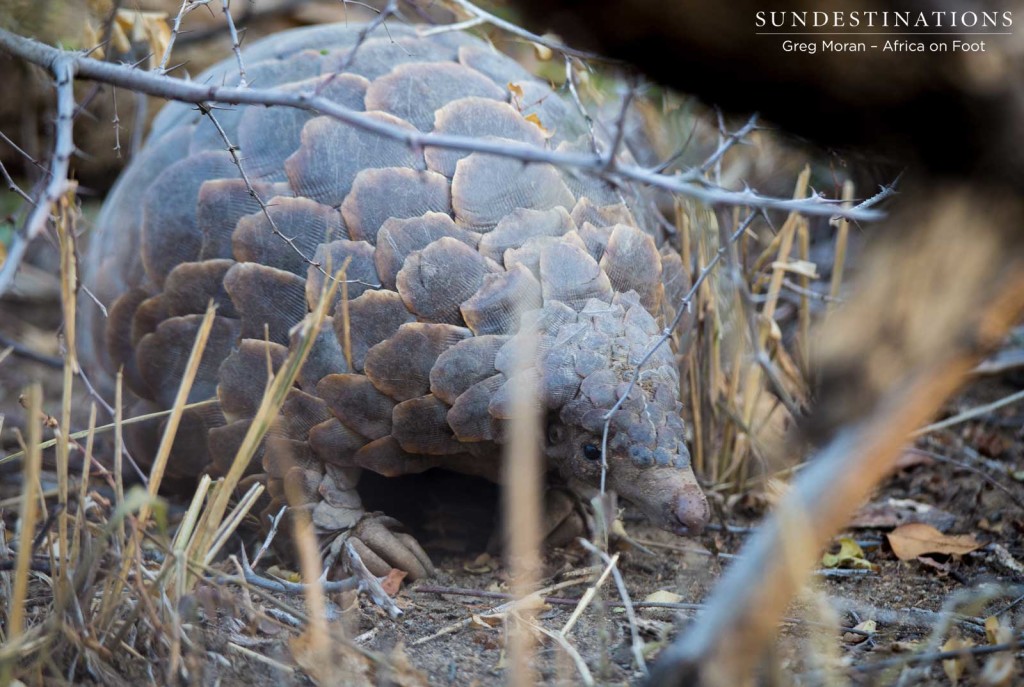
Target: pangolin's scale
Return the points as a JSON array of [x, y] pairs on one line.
[[446, 251]]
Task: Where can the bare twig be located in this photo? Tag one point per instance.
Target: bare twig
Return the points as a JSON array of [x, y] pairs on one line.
[[235, 45], [970, 414], [296, 588], [13, 187], [523, 33], [156, 84], [24, 351], [637, 643], [63, 66]]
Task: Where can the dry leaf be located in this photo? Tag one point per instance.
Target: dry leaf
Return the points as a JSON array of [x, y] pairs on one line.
[[487, 622], [954, 667], [915, 539], [850, 556], [393, 582], [534, 119], [400, 671], [146, 27], [663, 596], [481, 565], [869, 626], [90, 38], [517, 94], [999, 668]]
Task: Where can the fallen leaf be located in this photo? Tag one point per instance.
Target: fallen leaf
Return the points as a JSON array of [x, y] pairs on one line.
[[544, 53], [999, 668], [663, 596], [954, 667], [535, 120], [481, 565], [850, 556], [941, 567], [330, 664], [915, 539], [487, 621], [868, 626], [992, 629], [393, 582], [517, 94]]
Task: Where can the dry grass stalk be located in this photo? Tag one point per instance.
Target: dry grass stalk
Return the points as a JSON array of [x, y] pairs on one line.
[[28, 515], [804, 340], [119, 447], [69, 298], [310, 565], [589, 595], [83, 488], [83, 434], [522, 476], [278, 386], [842, 239], [753, 383]]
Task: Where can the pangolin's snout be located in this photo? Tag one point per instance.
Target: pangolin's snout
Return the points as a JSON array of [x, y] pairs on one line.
[[691, 511], [669, 496]]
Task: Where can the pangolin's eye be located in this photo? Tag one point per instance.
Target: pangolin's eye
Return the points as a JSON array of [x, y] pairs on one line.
[[591, 451]]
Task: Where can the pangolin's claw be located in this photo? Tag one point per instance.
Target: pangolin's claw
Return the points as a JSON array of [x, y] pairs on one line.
[[382, 546]]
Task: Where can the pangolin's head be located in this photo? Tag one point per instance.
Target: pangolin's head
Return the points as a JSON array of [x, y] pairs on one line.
[[585, 361]]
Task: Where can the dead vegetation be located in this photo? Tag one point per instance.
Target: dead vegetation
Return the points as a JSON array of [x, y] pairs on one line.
[[106, 581]]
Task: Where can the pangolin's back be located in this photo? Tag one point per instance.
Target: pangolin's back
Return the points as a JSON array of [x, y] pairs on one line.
[[445, 251]]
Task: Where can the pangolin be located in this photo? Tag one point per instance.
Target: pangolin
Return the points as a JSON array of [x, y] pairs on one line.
[[452, 259]]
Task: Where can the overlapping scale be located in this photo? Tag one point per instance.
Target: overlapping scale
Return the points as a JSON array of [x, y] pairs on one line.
[[379, 195], [162, 357], [287, 235], [414, 92], [400, 365], [399, 238], [372, 318], [222, 202], [318, 170], [170, 227], [265, 155], [435, 281], [269, 301], [486, 188]]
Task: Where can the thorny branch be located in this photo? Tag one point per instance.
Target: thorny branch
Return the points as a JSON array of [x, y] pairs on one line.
[[158, 84], [235, 44], [63, 66], [264, 208]]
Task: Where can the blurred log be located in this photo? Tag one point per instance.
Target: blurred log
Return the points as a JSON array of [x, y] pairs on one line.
[[956, 114]]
